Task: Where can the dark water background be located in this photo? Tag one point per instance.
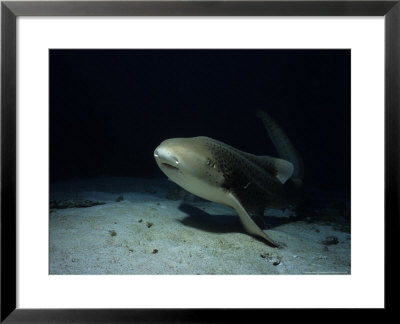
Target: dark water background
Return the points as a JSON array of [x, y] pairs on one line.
[[109, 109]]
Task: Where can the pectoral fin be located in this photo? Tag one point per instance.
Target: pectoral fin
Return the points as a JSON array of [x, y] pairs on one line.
[[250, 226]]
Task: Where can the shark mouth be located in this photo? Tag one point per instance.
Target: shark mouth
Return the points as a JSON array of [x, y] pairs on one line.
[[169, 166]]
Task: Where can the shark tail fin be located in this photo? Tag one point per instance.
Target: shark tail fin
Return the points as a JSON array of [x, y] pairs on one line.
[[284, 147]]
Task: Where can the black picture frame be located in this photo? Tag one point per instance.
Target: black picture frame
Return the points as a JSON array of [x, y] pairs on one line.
[[10, 10]]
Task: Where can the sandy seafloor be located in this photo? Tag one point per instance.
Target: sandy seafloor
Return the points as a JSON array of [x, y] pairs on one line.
[[160, 229]]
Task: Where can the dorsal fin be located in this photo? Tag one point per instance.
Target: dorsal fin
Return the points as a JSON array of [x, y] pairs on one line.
[[284, 169], [279, 168]]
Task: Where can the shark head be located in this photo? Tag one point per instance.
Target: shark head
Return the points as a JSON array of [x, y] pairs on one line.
[[188, 163]]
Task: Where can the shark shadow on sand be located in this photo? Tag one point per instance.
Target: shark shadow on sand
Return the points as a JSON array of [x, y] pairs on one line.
[[199, 219]]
